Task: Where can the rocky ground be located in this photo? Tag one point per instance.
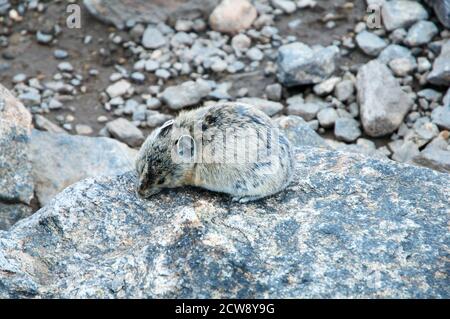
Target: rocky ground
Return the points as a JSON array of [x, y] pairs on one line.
[[78, 103]]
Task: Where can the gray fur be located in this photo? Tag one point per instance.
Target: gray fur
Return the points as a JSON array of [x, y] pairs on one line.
[[236, 150]]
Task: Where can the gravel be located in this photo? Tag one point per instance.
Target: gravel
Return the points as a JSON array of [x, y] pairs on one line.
[[370, 43], [347, 129], [153, 38]]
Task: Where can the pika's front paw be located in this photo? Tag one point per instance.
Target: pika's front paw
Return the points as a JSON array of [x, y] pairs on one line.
[[245, 199]]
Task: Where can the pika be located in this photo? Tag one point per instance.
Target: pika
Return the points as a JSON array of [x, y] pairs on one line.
[[231, 148]]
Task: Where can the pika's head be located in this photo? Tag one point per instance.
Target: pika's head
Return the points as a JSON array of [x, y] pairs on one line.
[[165, 160]]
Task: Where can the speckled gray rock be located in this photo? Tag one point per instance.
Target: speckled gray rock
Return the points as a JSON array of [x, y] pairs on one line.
[[274, 91], [299, 132], [45, 124], [327, 117], [298, 64], [347, 226], [16, 184], [395, 51], [440, 75], [402, 13], [12, 213], [406, 152], [124, 131], [185, 94], [153, 38], [442, 10], [344, 90], [370, 43], [383, 104], [347, 129], [308, 111], [420, 33], [441, 116], [436, 155], [59, 160]]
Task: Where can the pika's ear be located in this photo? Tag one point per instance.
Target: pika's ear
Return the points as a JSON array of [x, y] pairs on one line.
[[165, 128], [186, 147]]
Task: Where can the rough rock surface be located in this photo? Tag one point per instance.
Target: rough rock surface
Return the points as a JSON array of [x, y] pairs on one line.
[[119, 12], [59, 160], [16, 183], [12, 213], [383, 104], [348, 226], [298, 64]]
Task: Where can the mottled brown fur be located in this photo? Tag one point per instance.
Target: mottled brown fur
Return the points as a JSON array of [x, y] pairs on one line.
[[232, 148]]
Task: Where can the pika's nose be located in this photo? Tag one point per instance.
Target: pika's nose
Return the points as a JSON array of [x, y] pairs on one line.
[[140, 190]]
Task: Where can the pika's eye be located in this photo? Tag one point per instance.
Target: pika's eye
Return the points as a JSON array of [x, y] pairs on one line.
[[161, 181]]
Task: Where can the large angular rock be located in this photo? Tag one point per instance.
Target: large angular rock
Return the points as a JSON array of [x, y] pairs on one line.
[[347, 226], [402, 13], [121, 12], [60, 160], [298, 64], [16, 185], [383, 104], [440, 75]]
